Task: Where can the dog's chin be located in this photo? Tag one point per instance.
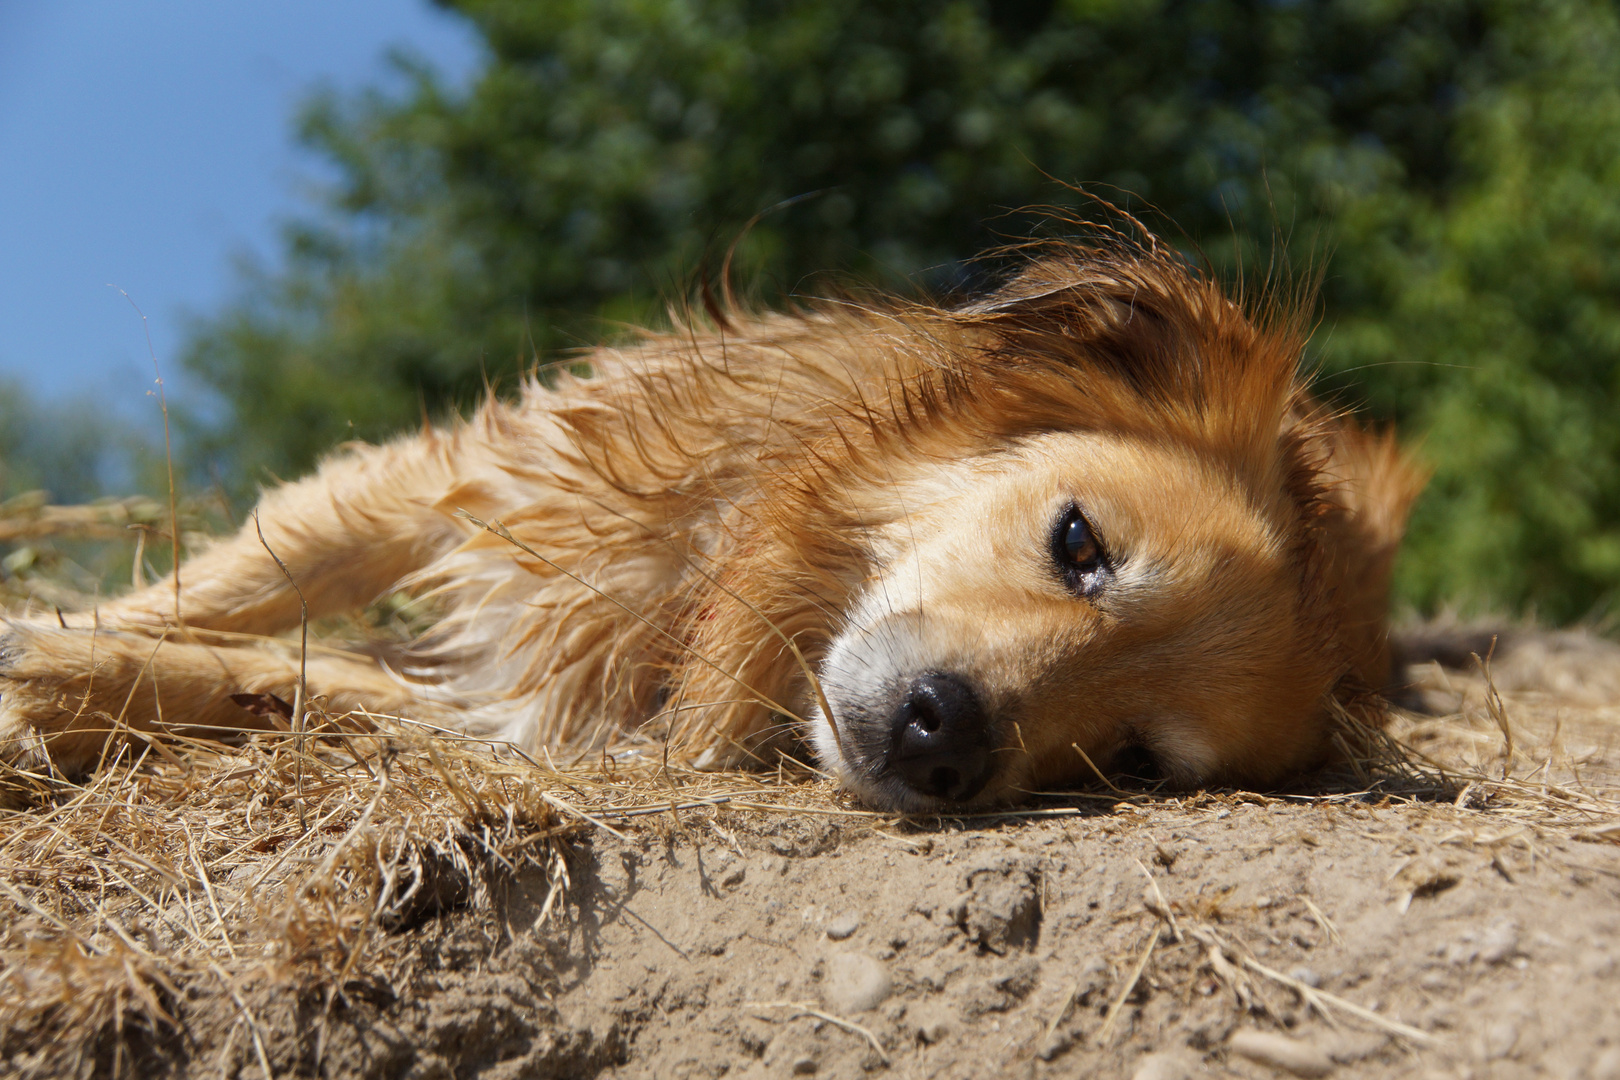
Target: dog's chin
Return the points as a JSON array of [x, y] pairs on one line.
[[885, 791]]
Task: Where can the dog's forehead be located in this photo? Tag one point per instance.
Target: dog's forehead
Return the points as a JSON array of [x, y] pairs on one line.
[[1147, 499]]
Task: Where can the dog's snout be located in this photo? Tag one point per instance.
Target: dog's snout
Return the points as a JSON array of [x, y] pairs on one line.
[[941, 738]]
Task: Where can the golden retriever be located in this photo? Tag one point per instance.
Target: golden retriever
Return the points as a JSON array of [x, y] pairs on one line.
[[1092, 521]]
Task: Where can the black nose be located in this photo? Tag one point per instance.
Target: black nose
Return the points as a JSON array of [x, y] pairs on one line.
[[941, 742]]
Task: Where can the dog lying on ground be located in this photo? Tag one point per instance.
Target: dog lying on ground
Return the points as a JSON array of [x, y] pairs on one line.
[[1092, 521]]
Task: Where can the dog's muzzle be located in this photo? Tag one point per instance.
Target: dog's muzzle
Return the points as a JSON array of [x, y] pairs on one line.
[[940, 739]]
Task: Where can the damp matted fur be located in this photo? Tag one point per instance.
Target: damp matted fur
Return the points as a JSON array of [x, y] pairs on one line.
[[798, 526]]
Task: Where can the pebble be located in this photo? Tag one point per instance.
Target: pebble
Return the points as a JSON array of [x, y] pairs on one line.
[[933, 1022], [843, 926], [1499, 942], [854, 982], [1306, 976], [1054, 1045], [1606, 1066], [1499, 1039], [1281, 1052], [1166, 1065], [734, 876], [804, 1066], [1001, 909]]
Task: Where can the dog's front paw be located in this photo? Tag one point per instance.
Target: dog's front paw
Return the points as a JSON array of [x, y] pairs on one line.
[[19, 738], [50, 718]]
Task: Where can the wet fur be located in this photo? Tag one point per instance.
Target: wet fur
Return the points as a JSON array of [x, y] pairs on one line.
[[875, 482]]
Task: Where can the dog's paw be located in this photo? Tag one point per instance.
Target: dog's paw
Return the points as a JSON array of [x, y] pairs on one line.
[[22, 722], [50, 718]]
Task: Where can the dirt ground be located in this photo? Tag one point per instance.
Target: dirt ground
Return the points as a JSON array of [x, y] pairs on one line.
[[1457, 919]]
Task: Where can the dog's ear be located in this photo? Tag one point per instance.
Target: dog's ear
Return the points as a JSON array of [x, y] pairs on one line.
[[1146, 334], [1137, 318]]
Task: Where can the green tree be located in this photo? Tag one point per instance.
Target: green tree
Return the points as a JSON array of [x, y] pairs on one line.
[[1483, 315], [67, 449], [610, 147], [1454, 156]]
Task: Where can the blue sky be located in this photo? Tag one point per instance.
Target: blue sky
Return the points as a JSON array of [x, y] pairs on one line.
[[145, 146]]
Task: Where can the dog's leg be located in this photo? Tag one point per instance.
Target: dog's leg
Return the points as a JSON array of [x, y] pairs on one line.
[[66, 691], [363, 522]]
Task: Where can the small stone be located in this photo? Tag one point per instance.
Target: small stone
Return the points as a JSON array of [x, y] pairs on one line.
[[1307, 976], [1001, 908], [843, 926], [804, 1065], [1054, 1045], [1166, 1065], [734, 876], [1606, 1066], [854, 983], [1499, 942], [1223, 812], [1499, 1039], [933, 1022], [1280, 1052]]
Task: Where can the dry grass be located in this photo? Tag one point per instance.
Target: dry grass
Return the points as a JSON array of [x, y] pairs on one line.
[[206, 859], [1518, 743], [253, 861]]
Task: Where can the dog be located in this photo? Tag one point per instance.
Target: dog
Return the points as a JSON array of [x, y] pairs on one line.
[[1090, 523]]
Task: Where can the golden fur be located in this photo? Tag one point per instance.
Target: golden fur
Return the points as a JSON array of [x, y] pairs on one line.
[[876, 485]]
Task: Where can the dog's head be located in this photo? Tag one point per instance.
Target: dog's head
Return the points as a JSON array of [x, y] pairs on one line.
[[1106, 531]]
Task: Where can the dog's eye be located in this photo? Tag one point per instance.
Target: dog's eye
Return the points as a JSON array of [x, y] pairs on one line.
[[1077, 552], [1079, 546]]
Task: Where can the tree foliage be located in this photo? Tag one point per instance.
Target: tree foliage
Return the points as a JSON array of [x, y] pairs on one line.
[[1455, 159], [70, 450]]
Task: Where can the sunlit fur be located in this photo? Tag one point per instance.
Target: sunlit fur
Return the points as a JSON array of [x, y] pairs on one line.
[[876, 482]]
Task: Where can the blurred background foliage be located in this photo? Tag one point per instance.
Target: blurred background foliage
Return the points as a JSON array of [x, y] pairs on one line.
[[73, 452], [61, 447], [1455, 163]]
